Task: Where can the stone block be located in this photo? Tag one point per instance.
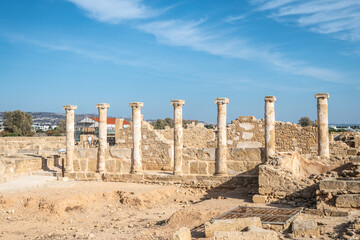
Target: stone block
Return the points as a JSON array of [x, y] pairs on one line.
[[194, 167], [110, 165], [332, 185], [211, 168], [259, 198], [237, 166], [305, 228], [253, 233], [348, 201], [237, 224], [352, 151], [203, 168], [182, 234], [353, 186]]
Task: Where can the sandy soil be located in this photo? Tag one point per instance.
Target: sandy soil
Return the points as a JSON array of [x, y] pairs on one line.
[[34, 207]]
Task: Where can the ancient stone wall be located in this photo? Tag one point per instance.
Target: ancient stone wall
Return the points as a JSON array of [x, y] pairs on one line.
[[248, 132], [17, 165], [14, 145], [157, 151], [195, 161], [195, 136]]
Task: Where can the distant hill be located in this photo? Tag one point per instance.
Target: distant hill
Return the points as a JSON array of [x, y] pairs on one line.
[[49, 118]]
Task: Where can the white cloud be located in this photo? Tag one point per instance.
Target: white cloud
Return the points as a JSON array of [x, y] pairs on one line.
[[234, 18], [115, 11], [338, 18], [190, 34], [64, 46]]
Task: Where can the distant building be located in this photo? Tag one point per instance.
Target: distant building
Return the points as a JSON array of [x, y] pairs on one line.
[[93, 122]]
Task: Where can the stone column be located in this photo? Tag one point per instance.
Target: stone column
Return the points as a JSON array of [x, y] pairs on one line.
[[270, 141], [102, 107], [220, 160], [323, 124], [178, 135], [136, 165], [70, 137]]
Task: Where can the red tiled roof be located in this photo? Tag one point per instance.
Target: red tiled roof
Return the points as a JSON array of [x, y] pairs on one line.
[[109, 120]]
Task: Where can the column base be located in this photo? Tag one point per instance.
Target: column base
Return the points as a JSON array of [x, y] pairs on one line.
[[220, 174], [136, 172], [178, 173]]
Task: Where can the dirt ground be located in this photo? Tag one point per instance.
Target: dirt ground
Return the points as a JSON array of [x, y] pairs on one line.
[[38, 207]]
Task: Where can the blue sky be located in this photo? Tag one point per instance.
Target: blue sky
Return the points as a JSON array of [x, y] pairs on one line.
[[83, 52]]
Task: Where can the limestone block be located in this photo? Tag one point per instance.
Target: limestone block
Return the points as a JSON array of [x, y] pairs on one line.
[[332, 185], [253, 233], [249, 144], [92, 164], [203, 168], [83, 165], [352, 151], [353, 186], [348, 201], [182, 234], [110, 165], [211, 168], [305, 228], [247, 135], [246, 126], [231, 225], [259, 198], [237, 166], [194, 167], [122, 153], [211, 152]]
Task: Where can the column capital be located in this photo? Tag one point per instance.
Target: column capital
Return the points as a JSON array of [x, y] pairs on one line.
[[136, 104], [102, 106], [70, 107], [177, 103], [270, 99], [221, 100], [322, 95]]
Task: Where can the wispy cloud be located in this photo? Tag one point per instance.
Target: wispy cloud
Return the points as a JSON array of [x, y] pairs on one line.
[[191, 34], [194, 35], [65, 46], [234, 18], [338, 18], [115, 11]]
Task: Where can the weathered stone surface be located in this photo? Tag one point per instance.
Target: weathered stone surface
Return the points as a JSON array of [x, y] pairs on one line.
[[323, 124], [231, 225], [182, 234], [348, 201], [221, 151], [332, 185], [259, 198], [253, 233], [305, 228]]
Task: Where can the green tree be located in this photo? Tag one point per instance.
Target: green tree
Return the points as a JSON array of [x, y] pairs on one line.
[[18, 122], [62, 126], [305, 121]]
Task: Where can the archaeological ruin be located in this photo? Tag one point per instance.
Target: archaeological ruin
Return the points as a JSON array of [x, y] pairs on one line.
[[305, 168]]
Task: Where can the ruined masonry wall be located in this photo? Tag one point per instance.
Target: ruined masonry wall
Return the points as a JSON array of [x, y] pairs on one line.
[[13, 145], [248, 132]]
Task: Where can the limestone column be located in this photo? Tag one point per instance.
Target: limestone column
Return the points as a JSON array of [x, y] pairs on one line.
[[178, 135], [136, 165], [70, 137], [323, 124], [269, 126], [102, 107], [220, 160]]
